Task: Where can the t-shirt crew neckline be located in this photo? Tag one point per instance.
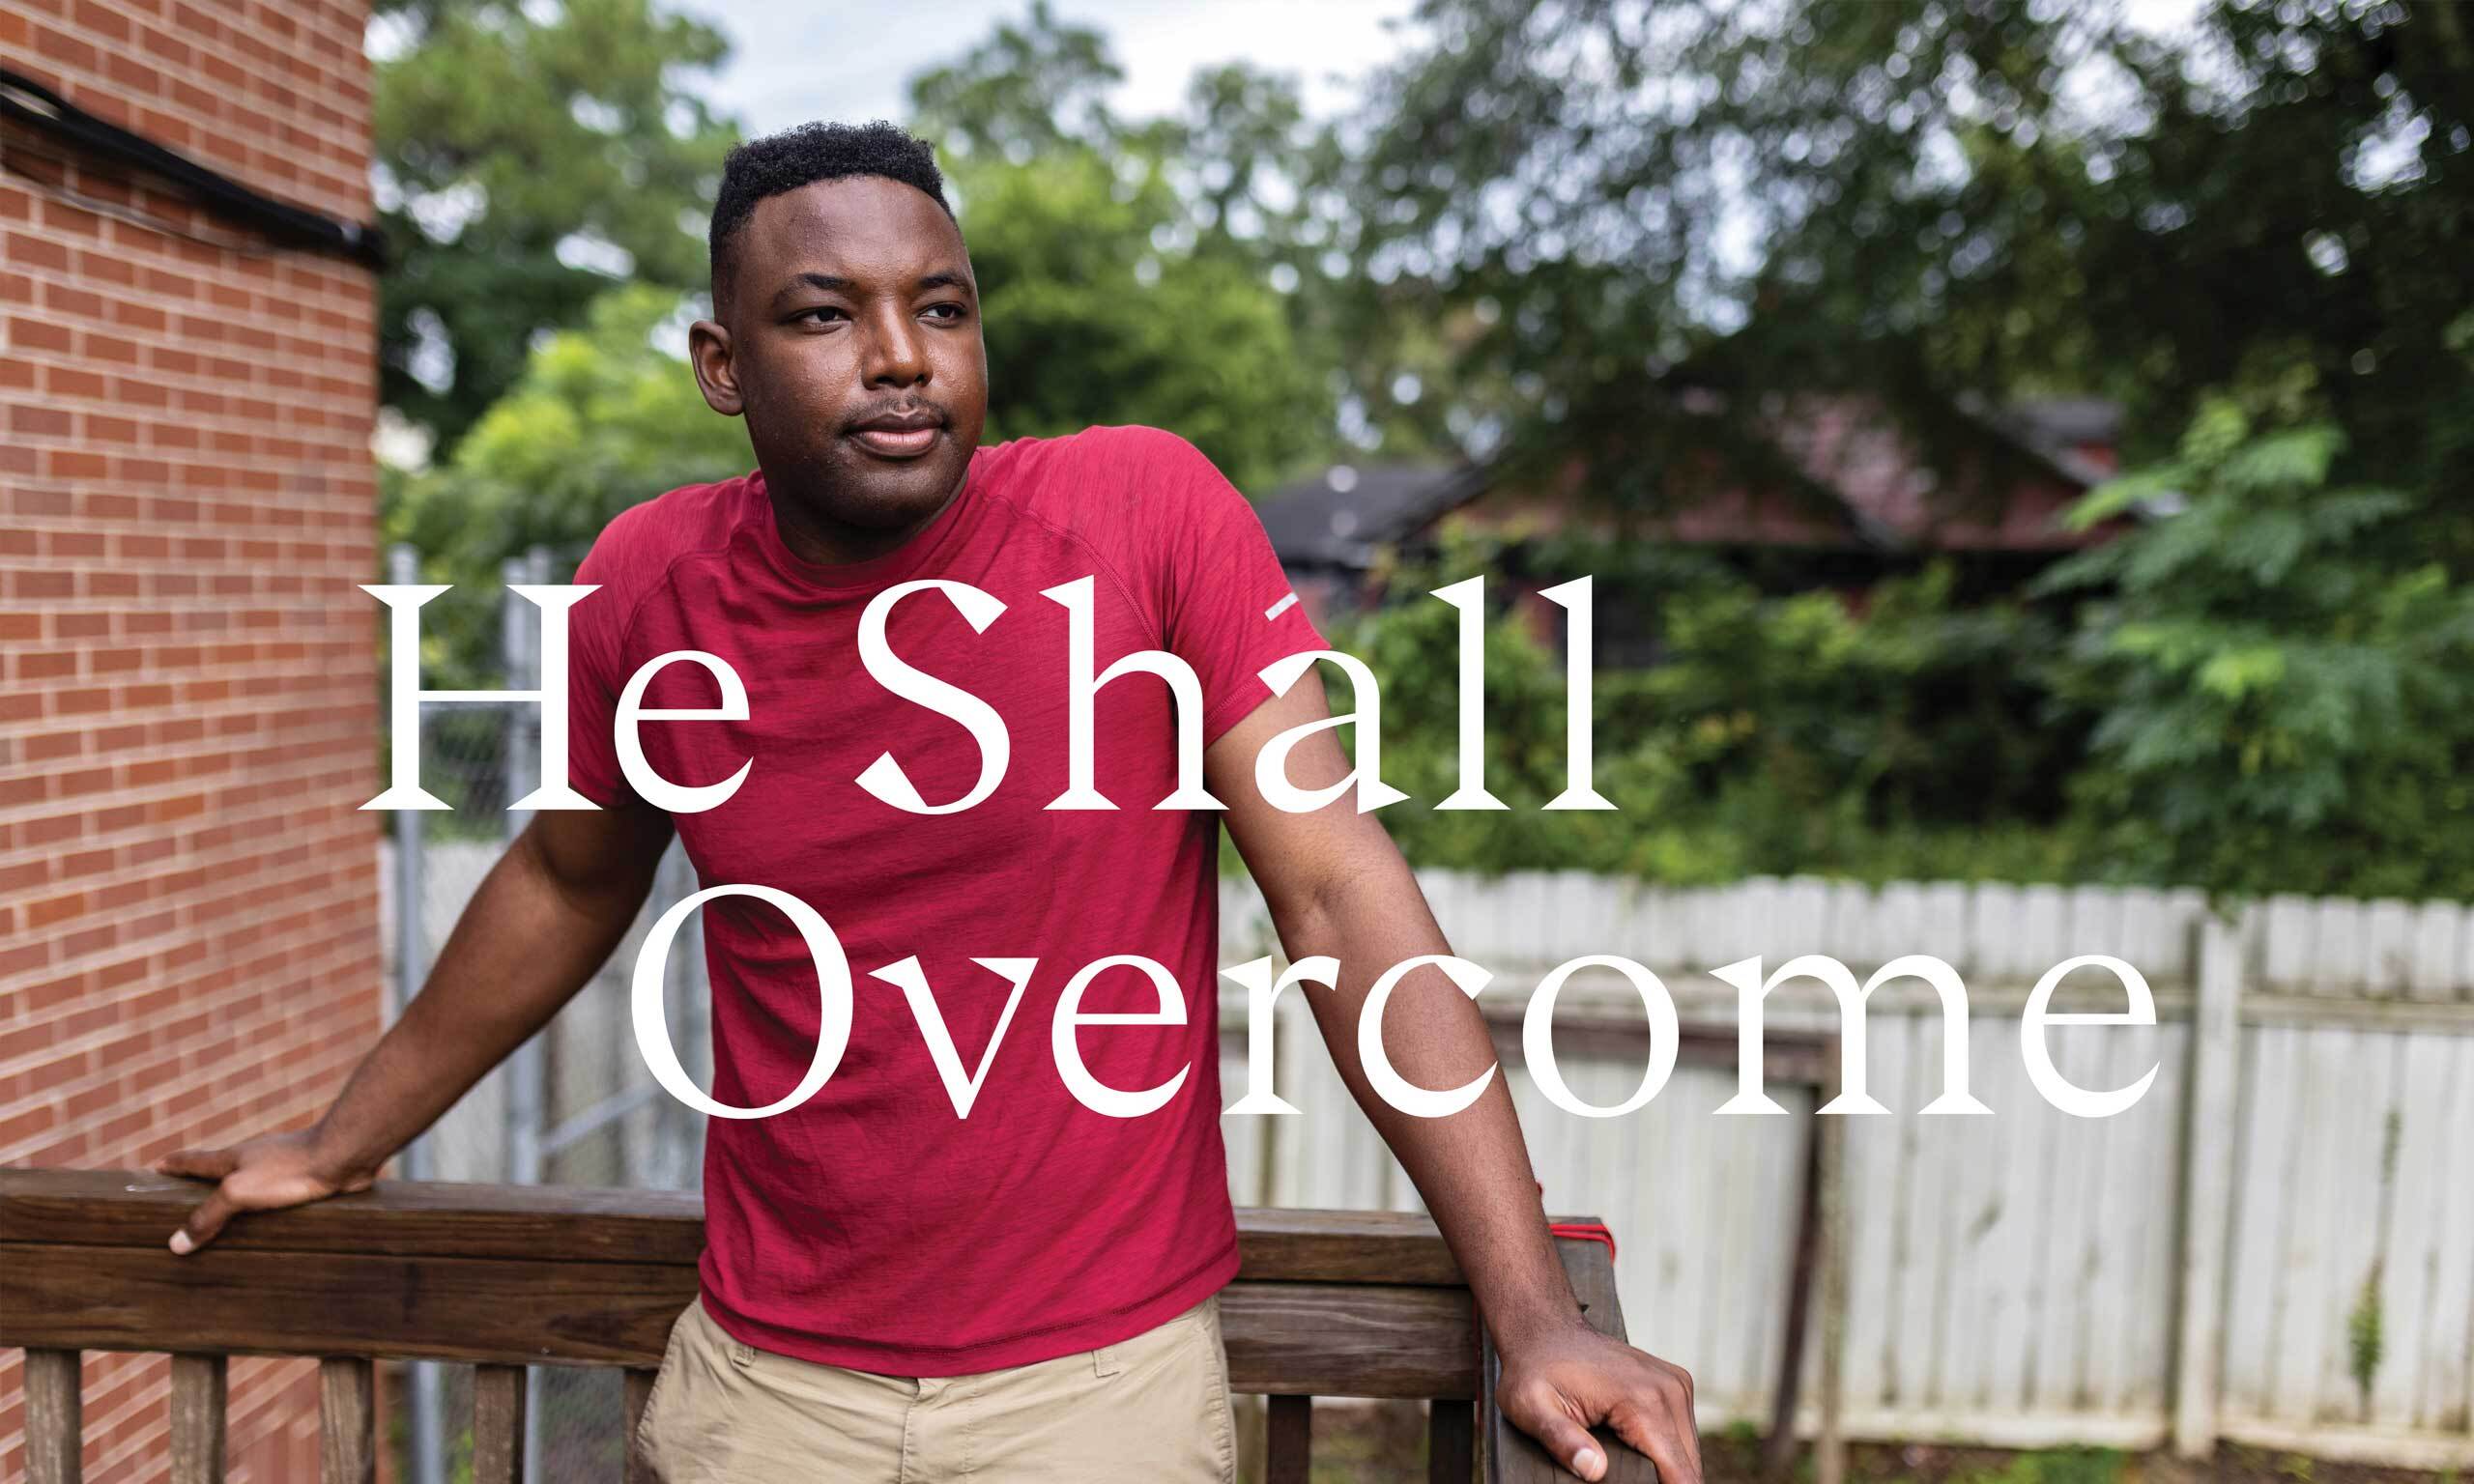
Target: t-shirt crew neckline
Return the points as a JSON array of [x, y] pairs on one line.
[[873, 573]]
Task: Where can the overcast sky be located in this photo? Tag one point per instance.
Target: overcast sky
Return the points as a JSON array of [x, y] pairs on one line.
[[792, 63]]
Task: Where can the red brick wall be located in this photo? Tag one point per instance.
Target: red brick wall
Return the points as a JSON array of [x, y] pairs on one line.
[[188, 919]]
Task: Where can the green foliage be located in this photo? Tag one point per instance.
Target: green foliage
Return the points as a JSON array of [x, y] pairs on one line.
[[505, 133], [1926, 201], [1025, 91], [2283, 673], [1131, 269], [2052, 1466], [1774, 734], [2263, 689], [1087, 320], [2363, 1342], [602, 418]]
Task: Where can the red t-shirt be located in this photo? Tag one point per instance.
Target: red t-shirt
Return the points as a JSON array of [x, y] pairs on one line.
[[872, 1227]]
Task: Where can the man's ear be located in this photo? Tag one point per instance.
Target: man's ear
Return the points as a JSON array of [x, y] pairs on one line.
[[708, 351]]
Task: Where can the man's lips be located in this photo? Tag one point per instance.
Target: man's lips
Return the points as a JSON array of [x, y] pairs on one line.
[[899, 435], [897, 441]]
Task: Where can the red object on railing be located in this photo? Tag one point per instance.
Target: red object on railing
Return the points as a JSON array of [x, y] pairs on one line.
[[1580, 1231], [1585, 1231]]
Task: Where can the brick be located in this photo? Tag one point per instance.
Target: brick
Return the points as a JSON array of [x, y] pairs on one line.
[[74, 302], [29, 249], [31, 420], [75, 381], [40, 664], [39, 584], [157, 44], [45, 913], [53, 45], [127, 73], [27, 333], [94, 20]]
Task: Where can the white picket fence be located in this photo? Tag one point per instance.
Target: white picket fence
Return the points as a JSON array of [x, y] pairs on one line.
[[2206, 1265], [2034, 1277]]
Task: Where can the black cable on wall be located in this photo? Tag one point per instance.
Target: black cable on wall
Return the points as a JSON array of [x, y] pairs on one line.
[[37, 107]]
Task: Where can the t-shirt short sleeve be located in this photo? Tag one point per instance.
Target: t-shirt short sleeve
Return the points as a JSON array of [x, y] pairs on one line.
[[596, 630], [1228, 608]]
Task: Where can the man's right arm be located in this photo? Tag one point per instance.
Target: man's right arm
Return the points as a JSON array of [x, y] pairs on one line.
[[545, 919]]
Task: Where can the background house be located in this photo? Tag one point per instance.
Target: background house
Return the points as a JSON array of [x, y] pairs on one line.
[[1852, 504]]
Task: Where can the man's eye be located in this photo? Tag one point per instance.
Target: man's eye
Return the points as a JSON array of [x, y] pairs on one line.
[[817, 314], [948, 311]]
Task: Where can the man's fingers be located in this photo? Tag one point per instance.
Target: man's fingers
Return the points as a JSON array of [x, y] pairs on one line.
[[1570, 1443], [204, 1222], [198, 1163], [1651, 1427], [1687, 1420], [1546, 1420]]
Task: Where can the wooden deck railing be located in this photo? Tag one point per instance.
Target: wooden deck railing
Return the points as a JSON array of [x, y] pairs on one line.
[[1328, 1303]]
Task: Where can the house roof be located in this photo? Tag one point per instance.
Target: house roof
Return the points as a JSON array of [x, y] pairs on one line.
[[1889, 497], [1339, 517], [1884, 497]]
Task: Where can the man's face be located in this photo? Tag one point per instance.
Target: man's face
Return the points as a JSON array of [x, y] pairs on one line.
[[851, 343]]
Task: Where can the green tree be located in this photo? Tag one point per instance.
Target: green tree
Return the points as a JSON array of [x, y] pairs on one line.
[[1137, 270], [1775, 736], [602, 418], [1024, 90], [530, 156], [2283, 673], [1934, 201], [1089, 319]]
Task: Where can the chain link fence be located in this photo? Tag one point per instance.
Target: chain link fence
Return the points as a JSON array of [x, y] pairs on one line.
[[575, 1105]]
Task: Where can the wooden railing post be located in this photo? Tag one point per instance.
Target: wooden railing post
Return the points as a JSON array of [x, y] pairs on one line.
[[640, 1391], [1451, 1442], [347, 1421], [1288, 1440], [55, 1418], [197, 1419], [498, 1424]]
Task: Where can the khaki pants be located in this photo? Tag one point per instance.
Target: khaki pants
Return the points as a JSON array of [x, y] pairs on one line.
[[1153, 1408]]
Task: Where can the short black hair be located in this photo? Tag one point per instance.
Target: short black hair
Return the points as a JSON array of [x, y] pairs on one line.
[[802, 157]]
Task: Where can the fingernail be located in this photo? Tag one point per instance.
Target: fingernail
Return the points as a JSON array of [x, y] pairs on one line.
[[1586, 1463], [181, 1243]]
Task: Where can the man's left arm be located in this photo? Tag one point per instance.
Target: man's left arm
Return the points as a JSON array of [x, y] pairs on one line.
[[1336, 886]]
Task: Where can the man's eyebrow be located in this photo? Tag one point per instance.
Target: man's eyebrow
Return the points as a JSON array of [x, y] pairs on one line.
[[833, 284], [826, 282]]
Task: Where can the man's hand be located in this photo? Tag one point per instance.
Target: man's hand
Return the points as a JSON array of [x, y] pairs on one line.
[[1337, 887], [260, 1174], [1558, 1387], [544, 919]]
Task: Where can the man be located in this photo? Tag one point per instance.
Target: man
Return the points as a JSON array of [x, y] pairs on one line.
[[1013, 1284]]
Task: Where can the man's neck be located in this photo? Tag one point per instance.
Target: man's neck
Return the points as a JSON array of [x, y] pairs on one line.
[[828, 543]]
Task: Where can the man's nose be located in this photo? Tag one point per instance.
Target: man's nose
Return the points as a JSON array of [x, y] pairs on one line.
[[894, 351]]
